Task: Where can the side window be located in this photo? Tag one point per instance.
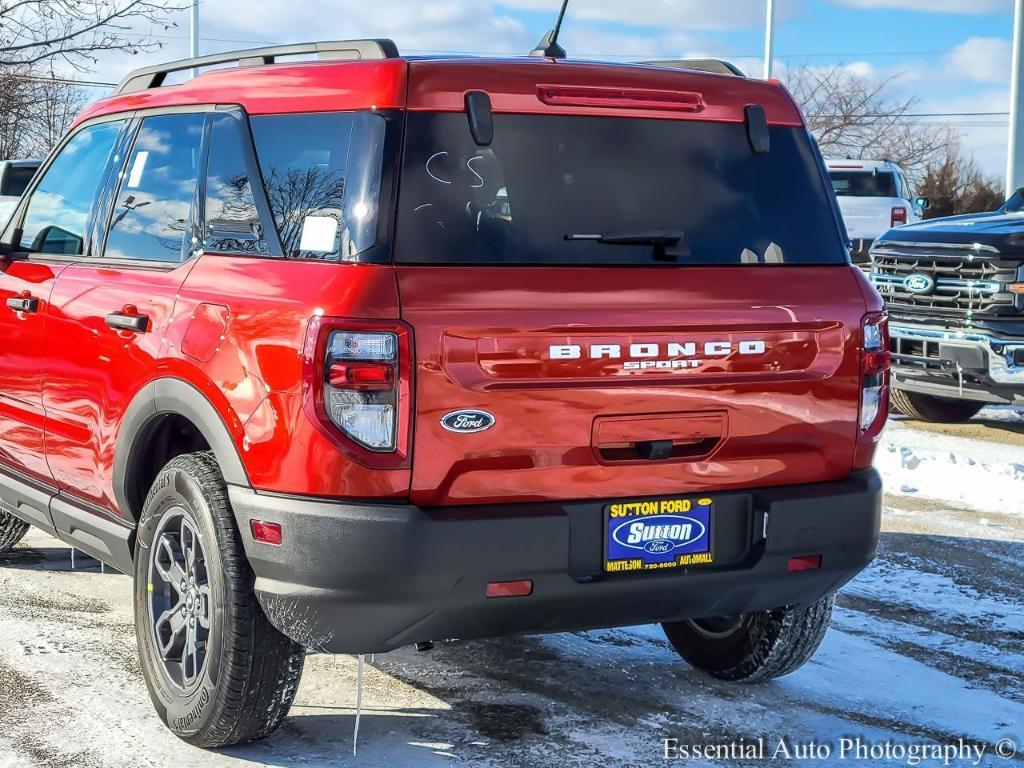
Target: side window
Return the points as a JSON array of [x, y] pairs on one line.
[[59, 207], [322, 173], [153, 206], [232, 220]]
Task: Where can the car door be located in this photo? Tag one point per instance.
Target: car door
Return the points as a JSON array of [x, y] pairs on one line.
[[53, 228], [110, 311]]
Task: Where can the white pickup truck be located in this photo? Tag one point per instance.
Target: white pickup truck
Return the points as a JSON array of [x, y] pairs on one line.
[[874, 196]]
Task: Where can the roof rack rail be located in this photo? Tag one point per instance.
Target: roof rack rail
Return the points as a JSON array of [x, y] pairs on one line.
[[153, 77], [717, 66]]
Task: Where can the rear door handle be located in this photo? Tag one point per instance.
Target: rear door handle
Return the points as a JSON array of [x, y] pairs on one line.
[[133, 323], [23, 303]]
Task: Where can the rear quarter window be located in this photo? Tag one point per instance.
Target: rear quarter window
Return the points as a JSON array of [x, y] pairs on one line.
[[322, 173]]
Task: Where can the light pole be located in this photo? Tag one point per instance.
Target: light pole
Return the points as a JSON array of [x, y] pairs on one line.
[[769, 38], [193, 43], [1014, 151]]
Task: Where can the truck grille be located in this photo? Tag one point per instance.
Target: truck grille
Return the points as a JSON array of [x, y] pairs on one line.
[[969, 281]]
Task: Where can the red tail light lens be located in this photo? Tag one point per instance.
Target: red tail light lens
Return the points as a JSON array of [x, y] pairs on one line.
[[899, 216], [358, 379], [874, 392], [362, 377]]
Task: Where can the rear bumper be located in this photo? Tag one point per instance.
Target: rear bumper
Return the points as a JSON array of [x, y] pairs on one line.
[[361, 578]]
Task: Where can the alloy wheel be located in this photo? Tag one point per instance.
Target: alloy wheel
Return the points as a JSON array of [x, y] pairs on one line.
[[179, 598]]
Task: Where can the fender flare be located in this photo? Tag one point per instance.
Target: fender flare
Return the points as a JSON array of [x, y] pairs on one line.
[[172, 396]]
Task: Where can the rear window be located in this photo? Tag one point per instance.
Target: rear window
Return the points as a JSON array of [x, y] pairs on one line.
[[17, 178], [322, 173], [548, 178], [864, 183]]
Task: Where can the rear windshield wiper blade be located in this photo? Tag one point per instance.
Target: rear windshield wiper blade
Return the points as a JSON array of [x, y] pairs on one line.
[[668, 243], [654, 237]]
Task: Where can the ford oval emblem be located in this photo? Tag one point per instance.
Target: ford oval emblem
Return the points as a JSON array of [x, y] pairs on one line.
[[467, 421], [919, 284]]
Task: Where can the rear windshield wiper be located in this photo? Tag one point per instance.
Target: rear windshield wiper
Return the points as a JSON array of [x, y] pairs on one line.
[[660, 239]]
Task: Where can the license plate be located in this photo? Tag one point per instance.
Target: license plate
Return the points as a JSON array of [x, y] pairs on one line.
[[654, 534]]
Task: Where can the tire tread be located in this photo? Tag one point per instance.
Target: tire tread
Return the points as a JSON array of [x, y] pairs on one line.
[[12, 531]]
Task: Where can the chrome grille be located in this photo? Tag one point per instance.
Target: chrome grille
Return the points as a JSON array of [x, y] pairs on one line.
[[969, 280]]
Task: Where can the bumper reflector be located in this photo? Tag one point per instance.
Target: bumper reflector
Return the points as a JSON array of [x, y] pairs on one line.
[[267, 533], [521, 588], [806, 563]]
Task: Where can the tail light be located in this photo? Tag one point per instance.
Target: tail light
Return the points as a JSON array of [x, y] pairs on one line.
[[874, 388], [899, 216], [358, 383]]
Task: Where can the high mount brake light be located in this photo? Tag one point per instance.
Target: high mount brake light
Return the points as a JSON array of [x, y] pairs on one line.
[[622, 98], [358, 383]]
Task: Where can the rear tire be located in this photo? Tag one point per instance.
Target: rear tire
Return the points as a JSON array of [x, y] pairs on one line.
[[756, 646], [218, 673], [942, 410], [12, 530]]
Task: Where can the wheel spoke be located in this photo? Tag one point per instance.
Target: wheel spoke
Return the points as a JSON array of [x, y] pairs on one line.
[[190, 658], [171, 629], [166, 562], [204, 606], [188, 547]]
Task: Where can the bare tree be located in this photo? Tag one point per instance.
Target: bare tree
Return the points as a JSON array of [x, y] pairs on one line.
[[15, 98], [855, 116], [39, 107], [954, 184], [76, 31], [297, 194]]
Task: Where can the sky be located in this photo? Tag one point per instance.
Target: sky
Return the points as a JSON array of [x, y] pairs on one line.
[[953, 56]]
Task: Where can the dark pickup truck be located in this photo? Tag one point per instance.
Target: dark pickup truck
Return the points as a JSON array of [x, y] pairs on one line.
[[954, 290]]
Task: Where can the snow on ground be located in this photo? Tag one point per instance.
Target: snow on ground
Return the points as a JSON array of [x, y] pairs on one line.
[[926, 647], [960, 471]]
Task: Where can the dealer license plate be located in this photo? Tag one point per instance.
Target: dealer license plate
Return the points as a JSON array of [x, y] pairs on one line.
[[649, 534]]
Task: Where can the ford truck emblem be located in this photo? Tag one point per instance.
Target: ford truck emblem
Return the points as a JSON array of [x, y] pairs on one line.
[[919, 284], [467, 421]]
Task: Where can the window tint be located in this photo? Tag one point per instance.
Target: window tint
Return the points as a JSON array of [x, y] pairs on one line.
[[548, 186], [232, 220], [59, 208], [151, 212], [17, 179], [864, 183], [322, 173]]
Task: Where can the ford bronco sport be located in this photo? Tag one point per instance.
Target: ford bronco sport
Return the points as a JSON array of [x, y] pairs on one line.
[[954, 288], [357, 353]]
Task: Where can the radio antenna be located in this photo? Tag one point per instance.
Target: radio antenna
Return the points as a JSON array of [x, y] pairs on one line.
[[548, 46]]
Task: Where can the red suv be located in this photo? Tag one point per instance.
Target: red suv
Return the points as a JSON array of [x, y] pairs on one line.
[[355, 353]]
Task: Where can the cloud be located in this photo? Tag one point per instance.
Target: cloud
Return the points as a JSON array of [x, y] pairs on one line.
[[933, 6], [666, 14], [980, 59]]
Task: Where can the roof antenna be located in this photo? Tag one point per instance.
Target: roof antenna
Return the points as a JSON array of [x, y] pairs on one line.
[[548, 46]]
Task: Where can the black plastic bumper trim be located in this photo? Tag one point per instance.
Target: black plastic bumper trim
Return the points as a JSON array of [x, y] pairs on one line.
[[352, 578]]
